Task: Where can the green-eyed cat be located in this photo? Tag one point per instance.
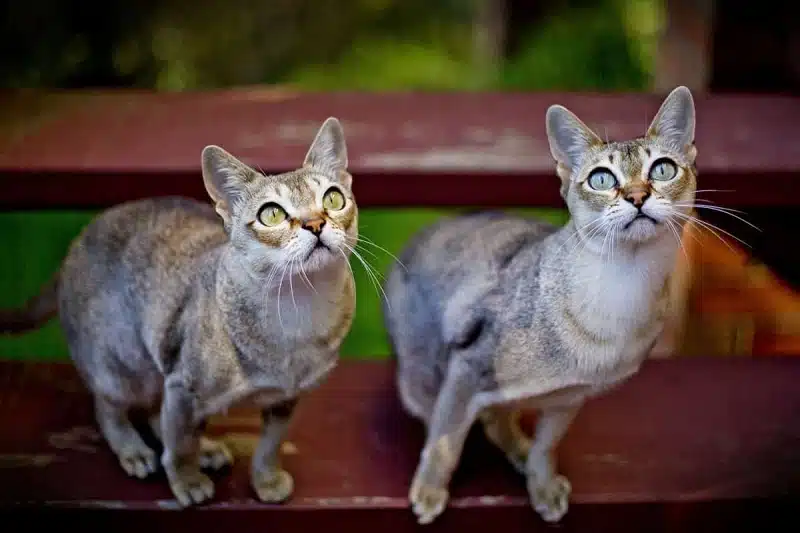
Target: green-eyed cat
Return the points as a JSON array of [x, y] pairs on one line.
[[168, 308]]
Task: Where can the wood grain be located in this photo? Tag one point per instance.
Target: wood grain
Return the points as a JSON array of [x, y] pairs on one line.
[[687, 445], [94, 149]]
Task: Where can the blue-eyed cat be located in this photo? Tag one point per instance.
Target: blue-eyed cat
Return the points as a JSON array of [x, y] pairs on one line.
[[184, 309], [493, 312]]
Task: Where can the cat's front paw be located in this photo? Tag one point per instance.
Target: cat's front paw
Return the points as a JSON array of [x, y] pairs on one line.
[[190, 486], [427, 501], [138, 460], [273, 487], [550, 499], [214, 454]]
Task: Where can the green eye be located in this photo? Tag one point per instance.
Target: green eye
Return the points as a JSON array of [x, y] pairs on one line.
[[333, 200], [602, 180], [663, 170], [271, 214]]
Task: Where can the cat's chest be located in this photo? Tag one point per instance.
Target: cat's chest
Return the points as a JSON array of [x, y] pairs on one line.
[[615, 305], [263, 382]]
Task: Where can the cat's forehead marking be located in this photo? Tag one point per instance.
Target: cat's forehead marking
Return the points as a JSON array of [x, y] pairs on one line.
[[626, 158], [297, 188]]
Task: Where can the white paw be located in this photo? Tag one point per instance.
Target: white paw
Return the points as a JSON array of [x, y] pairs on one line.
[[214, 454], [138, 461], [191, 486], [550, 499], [273, 487], [427, 502]]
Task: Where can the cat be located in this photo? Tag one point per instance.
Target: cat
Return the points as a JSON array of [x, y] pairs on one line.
[[492, 312], [183, 309]]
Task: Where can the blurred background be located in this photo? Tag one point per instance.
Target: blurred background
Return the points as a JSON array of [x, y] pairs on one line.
[[368, 45], [340, 44]]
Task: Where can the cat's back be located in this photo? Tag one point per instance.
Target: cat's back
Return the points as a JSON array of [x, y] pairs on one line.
[[473, 244], [137, 241]]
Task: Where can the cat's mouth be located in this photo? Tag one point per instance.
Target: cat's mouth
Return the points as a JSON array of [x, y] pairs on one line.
[[319, 246], [641, 216]]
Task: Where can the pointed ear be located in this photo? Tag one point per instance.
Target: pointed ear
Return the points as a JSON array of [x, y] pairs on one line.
[[569, 137], [675, 120], [328, 152], [225, 178]]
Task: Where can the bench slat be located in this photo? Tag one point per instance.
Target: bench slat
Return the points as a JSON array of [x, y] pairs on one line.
[[681, 443], [93, 149]]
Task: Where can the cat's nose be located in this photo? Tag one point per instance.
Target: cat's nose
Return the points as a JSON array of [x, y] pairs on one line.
[[637, 196], [314, 225]]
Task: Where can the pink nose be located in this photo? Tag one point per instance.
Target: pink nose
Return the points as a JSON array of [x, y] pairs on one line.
[[314, 225], [637, 196]]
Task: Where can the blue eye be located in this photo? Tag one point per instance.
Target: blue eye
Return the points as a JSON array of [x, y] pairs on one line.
[[663, 170], [601, 179]]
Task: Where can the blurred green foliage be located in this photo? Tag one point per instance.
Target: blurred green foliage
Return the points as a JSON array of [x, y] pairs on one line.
[[313, 45]]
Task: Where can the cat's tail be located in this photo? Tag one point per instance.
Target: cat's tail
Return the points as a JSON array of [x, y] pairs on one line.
[[34, 313]]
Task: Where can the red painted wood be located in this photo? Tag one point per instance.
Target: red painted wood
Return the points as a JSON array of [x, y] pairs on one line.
[[687, 445], [82, 149]]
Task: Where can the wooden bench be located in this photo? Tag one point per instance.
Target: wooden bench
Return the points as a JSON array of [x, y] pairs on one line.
[[689, 444]]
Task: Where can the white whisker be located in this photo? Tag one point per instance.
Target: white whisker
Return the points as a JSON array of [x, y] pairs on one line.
[[372, 274], [724, 210], [711, 227], [364, 240]]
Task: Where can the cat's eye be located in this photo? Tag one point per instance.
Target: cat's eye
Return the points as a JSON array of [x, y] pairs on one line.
[[602, 180], [663, 170], [271, 214], [333, 200]]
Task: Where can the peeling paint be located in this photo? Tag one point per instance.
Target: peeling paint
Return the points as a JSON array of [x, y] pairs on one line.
[[606, 458], [507, 152], [78, 438], [266, 94], [303, 132], [25, 460]]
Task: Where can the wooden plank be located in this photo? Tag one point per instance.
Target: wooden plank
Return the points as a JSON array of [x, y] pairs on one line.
[[687, 445], [83, 149]]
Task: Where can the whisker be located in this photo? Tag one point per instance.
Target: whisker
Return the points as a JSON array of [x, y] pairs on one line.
[[350, 268], [306, 278], [364, 240], [372, 274], [711, 227], [291, 286], [577, 235], [724, 210], [278, 300], [673, 229], [713, 190]]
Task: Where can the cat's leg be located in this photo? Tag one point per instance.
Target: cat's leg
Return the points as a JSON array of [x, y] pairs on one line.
[[448, 428], [501, 425], [181, 438], [271, 483], [135, 457], [548, 491], [214, 454]]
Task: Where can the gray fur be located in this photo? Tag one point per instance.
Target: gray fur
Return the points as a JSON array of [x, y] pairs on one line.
[[168, 309], [494, 312]]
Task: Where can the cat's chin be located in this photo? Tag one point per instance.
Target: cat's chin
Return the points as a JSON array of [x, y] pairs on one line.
[[318, 258], [642, 229]]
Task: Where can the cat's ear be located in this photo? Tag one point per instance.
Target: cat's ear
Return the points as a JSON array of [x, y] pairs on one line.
[[674, 123], [569, 137], [225, 178], [328, 152]]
